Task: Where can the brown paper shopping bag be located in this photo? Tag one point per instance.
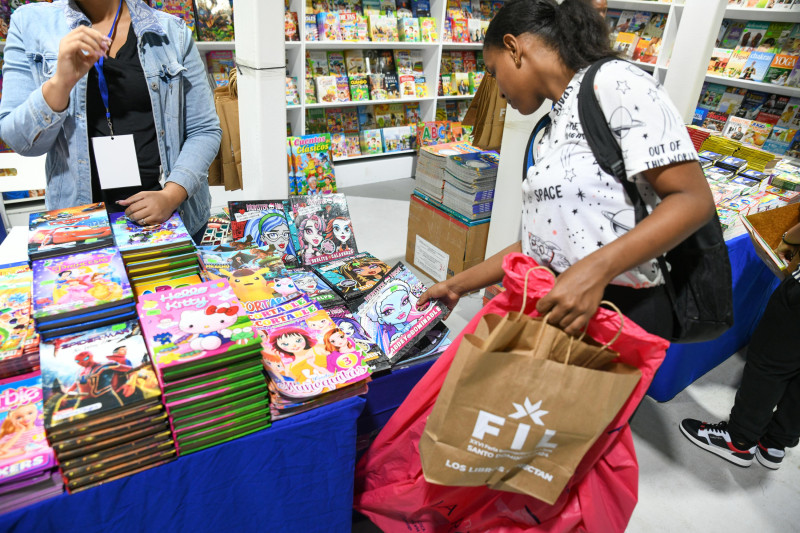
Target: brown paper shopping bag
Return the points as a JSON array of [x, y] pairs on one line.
[[230, 151], [521, 405]]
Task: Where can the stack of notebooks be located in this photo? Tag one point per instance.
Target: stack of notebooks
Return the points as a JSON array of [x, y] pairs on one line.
[[353, 277], [19, 342], [698, 136], [77, 292], [208, 361], [102, 405], [155, 254], [66, 231], [720, 145], [430, 167], [469, 181], [27, 464], [756, 159]]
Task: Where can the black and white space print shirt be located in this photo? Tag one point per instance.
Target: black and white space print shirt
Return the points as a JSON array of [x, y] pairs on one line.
[[570, 206]]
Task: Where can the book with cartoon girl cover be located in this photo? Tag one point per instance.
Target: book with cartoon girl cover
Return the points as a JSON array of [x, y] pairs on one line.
[[310, 355], [191, 324], [355, 276], [389, 313], [351, 327], [131, 237], [61, 231], [77, 283], [322, 228], [24, 451], [263, 223], [309, 282], [96, 372]]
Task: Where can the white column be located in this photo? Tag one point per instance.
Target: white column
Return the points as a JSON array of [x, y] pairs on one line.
[[262, 102], [694, 42]]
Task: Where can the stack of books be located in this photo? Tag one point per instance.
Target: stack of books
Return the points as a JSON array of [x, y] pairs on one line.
[[309, 282], [430, 167], [103, 411], [78, 292], [698, 136], [720, 145], [469, 183], [208, 360], [352, 278], [66, 231], [756, 159], [156, 254], [27, 465], [19, 342]]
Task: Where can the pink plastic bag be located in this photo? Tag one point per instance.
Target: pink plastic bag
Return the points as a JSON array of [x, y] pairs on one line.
[[392, 492]]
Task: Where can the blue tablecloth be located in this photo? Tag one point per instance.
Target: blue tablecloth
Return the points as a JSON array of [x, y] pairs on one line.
[[753, 284], [295, 476]]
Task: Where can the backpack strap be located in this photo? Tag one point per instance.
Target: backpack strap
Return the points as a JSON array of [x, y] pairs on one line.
[[529, 160], [608, 153]]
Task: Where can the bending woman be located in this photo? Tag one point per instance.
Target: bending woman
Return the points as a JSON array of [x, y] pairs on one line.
[[151, 85], [577, 219]]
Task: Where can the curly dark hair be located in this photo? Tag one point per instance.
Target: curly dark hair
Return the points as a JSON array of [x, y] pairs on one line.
[[574, 29]]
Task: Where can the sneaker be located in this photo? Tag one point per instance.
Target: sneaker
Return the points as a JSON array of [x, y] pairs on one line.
[[716, 439], [769, 457]]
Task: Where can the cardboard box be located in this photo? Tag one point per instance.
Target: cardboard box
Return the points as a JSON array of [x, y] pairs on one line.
[[766, 229], [440, 245]]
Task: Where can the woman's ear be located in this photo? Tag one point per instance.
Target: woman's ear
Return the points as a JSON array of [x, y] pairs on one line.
[[511, 45]]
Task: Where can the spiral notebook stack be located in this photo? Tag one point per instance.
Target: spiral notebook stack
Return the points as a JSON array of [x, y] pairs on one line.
[[160, 254], [102, 406], [208, 360], [78, 292]]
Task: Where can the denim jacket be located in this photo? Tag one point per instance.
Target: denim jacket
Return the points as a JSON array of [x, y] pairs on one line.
[[183, 105]]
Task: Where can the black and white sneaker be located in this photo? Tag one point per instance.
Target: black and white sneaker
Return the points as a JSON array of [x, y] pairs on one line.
[[769, 457], [716, 439]]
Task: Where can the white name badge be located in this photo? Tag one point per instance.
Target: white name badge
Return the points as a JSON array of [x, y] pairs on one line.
[[116, 162]]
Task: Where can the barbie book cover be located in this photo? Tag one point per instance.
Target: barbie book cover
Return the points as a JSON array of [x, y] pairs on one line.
[[24, 451], [389, 313], [322, 228], [263, 223]]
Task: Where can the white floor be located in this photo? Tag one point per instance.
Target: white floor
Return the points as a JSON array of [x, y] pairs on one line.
[[681, 487]]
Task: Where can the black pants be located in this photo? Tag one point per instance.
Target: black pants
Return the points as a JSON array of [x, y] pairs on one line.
[[772, 375], [649, 308], [198, 236]]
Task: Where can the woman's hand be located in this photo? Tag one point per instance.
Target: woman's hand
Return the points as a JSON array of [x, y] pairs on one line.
[[442, 291], [574, 298], [154, 207], [786, 251], [78, 51]]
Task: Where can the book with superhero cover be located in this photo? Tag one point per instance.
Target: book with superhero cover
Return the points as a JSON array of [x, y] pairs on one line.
[[389, 313], [95, 373], [149, 445], [119, 471], [322, 228], [307, 280], [313, 160], [309, 356], [175, 282], [63, 231], [79, 283], [183, 9], [263, 223], [214, 20], [99, 437], [371, 354], [24, 447]]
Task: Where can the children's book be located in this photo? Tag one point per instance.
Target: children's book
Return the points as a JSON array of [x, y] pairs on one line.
[[291, 31], [389, 313], [371, 141], [183, 9], [317, 63], [326, 89], [307, 281], [264, 223], [328, 26], [192, 325], [355, 276], [131, 237], [324, 231], [354, 62], [352, 144], [336, 64], [313, 160], [95, 373], [377, 87], [338, 147], [214, 20], [348, 26], [72, 284], [175, 282], [62, 231], [342, 89], [349, 325], [26, 453]]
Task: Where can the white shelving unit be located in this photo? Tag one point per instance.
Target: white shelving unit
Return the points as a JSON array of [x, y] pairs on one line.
[[754, 85]]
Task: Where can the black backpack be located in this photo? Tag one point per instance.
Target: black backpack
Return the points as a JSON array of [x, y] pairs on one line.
[[699, 285]]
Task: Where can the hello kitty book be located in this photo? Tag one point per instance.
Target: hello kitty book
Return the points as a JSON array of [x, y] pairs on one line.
[[192, 324]]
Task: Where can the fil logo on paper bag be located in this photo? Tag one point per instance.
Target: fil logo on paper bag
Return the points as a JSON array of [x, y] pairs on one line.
[[491, 424]]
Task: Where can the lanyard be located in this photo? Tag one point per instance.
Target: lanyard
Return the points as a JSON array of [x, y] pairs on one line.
[[101, 78]]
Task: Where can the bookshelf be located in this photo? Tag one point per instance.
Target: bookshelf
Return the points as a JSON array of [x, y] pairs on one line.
[[780, 90]]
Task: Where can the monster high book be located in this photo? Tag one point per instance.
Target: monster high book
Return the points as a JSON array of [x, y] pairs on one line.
[[263, 223], [79, 283], [24, 452], [313, 161], [310, 356], [389, 313], [131, 237], [214, 20], [96, 372], [202, 323], [371, 354], [63, 231], [353, 277], [324, 231]]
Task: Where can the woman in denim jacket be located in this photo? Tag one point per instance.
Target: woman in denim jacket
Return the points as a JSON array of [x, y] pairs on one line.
[[51, 104]]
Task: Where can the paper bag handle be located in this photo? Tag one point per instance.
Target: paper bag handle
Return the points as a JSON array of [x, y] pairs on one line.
[[525, 285], [583, 333]]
